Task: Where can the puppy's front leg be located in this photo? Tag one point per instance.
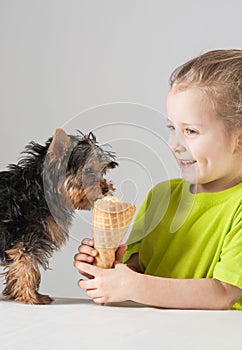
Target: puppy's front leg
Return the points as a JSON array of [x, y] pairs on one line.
[[23, 277]]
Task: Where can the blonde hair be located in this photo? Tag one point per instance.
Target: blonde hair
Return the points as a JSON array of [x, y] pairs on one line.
[[219, 74]]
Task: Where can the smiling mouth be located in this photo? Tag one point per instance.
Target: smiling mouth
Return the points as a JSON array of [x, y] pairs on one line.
[[186, 163]]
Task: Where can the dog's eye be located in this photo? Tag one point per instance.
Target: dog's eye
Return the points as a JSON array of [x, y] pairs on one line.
[[88, 171], [105, 190]]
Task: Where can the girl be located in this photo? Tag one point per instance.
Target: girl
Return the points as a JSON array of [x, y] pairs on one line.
[[191, 257]]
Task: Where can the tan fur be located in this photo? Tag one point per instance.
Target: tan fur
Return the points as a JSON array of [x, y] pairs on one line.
[[23, 277], [84, 198], [81, 199]]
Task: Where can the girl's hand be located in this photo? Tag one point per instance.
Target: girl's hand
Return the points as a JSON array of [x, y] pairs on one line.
[[86, 251], [87, 254], [107, 285]]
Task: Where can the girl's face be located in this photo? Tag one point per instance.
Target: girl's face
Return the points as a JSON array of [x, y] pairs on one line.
[[205, 152]]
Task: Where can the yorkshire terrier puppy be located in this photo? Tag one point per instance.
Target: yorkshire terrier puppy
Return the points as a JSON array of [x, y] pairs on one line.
[[38, 197]]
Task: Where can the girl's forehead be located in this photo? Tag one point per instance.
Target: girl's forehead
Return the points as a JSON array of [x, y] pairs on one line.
[[192, 97], [190, 106]]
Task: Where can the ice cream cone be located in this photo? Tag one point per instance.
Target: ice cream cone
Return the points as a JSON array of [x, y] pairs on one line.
[[110, 222]]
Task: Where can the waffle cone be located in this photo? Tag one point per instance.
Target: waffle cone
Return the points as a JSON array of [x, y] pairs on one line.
[[110, 222]]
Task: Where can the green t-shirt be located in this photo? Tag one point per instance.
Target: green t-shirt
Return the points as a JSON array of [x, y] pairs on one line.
[[183, 235]]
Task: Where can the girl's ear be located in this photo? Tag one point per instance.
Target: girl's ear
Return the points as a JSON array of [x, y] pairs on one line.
[[239, 142]]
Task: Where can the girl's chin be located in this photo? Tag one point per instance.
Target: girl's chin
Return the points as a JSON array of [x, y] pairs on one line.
[[190, 178]]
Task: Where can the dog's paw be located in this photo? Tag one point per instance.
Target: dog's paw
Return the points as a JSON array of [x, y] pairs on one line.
[[44, 299], [38, 299]]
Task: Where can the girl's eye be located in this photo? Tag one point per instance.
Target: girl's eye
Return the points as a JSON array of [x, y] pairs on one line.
[[189, 131]]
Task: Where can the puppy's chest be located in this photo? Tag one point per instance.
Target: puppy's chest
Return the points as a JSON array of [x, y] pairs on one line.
[[56, 233]]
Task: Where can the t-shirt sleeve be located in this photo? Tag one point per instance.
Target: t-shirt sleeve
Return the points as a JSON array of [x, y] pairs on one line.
[[138, 231], [229, 267]]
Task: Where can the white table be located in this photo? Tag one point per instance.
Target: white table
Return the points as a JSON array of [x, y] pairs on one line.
[[81, 324]]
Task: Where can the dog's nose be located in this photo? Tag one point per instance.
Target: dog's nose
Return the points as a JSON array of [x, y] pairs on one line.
[[104, 190]]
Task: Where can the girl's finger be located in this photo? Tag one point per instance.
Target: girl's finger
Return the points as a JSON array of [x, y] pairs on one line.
[[93, 293], [83, 257], [100, 301], [86, 249], [87, 268], [86, 284], [87, 241]]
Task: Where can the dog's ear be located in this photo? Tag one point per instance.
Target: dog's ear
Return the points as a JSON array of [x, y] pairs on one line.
[[90, 137], [59, 146]]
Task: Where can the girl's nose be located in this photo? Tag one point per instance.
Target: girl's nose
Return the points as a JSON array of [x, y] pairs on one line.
[[177, 142]]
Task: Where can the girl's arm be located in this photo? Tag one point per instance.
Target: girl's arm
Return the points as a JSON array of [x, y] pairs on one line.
[[122, 283], [201, 293]]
